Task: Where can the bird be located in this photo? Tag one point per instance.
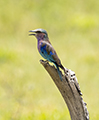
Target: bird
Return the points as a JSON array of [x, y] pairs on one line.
[[46, 49]]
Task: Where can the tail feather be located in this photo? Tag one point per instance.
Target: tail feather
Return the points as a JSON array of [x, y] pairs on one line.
[[59, 72]]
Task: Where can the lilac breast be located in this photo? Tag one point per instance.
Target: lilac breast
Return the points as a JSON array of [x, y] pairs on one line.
[[39, 44]]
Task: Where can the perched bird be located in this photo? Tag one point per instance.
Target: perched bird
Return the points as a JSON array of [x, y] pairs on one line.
[[46, 50]]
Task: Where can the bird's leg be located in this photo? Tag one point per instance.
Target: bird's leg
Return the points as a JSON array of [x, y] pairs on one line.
[[46, 61]]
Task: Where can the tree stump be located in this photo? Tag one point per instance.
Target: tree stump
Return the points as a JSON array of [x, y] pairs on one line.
[[70, 90]]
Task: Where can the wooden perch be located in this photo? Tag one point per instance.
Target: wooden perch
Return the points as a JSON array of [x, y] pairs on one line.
[[70, 90]]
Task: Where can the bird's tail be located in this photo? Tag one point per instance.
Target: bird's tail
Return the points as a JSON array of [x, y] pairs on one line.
[[59, 72]]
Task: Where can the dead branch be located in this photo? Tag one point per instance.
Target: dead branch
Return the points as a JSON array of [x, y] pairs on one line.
[[70, 90]]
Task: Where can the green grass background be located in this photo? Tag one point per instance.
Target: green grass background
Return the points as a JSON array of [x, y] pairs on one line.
[[26, 90]]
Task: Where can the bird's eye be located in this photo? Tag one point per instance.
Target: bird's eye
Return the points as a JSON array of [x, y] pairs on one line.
[[44, 35]]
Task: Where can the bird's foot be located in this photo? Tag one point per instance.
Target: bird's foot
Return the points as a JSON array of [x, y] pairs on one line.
[[46, 61]]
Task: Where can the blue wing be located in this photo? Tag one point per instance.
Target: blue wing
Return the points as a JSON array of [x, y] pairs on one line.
[[47, 52]]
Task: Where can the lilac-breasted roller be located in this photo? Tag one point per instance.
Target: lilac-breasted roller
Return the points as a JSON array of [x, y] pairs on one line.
[[46, 50]]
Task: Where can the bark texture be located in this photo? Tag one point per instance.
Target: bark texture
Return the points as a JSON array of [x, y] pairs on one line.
[[70, 90]]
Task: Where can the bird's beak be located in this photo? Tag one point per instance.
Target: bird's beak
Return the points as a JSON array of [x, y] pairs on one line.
[[32, 32]]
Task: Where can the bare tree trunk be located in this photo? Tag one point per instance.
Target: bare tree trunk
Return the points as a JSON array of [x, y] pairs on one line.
[[70, 90]]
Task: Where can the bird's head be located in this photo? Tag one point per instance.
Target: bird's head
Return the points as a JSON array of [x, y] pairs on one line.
[[39, 34]]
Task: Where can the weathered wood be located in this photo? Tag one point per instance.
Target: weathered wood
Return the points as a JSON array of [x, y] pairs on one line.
[[70, 90]]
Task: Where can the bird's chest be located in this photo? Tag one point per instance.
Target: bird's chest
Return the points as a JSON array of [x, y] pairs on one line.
[[45, 50], [41, 46], [42, 49]]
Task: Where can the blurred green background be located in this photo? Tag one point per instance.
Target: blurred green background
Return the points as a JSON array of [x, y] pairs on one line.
[[26, 90]]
